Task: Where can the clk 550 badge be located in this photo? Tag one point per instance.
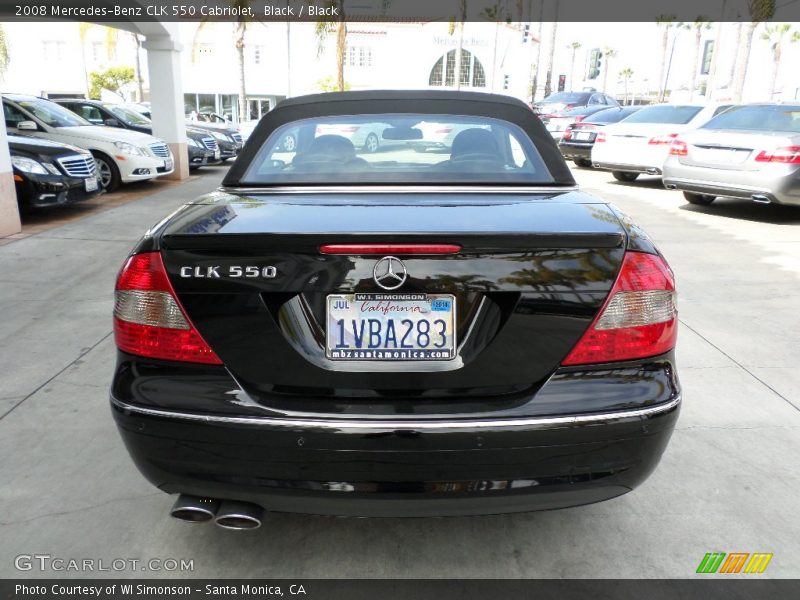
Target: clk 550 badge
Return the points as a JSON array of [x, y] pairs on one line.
[[233, 271]]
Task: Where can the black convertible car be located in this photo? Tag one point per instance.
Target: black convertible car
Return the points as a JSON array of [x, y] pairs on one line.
[[395, 333]]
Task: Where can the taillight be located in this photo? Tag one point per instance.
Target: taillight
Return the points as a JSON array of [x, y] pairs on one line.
[[786, 155], [148, 318], [567, 134], [662, 139], [579, 119], [678, 148], [600, 138], [639, 318], [444, 130]]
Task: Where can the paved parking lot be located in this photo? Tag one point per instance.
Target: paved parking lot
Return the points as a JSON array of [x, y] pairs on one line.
[[728, 482]]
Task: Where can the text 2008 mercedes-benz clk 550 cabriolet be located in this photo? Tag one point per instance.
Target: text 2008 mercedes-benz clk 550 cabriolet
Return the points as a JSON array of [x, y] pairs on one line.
[[447, 331]]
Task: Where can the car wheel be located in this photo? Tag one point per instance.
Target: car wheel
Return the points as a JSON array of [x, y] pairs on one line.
[[582, 162], [289, 143], [371, 144], [701, 199], [107, 172], [624, 175]]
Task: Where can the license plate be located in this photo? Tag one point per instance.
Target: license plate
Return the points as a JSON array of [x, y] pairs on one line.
[[216, 154], [582, 136], [168, 164], [391, 327], [90, 183]]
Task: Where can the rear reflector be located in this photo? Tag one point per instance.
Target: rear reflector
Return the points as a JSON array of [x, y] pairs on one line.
[[638, 319], [148, 318], [788, 155], [390, 249]]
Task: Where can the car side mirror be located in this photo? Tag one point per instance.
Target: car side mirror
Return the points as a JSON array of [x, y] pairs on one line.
[[112, 123], [27, 126]]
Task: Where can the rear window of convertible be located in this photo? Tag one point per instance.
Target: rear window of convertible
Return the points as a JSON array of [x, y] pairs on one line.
[[397, 148]]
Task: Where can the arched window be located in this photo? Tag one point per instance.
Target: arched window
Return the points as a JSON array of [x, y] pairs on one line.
[[471, 72]]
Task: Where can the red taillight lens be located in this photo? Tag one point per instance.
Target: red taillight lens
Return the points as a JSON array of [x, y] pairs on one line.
[[148, 318], [444, 130], [567, 134], [678, 148], [579, 119], [662, 139], [788, 155], [390, 248], [639, 318], [600, 138]]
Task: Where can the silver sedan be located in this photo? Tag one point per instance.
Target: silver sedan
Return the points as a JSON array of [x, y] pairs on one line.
[[750, 151]]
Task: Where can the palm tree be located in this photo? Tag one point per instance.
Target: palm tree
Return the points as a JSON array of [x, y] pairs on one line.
[[774, 34], [574, 46], [665, 22], [549, 75], [759, 10], [608, 54], [239, 31], [338, 25], [4, 54], [700, 23], [626, 74]]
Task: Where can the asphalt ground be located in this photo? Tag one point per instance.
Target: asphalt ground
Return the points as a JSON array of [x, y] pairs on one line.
[[728, 482]]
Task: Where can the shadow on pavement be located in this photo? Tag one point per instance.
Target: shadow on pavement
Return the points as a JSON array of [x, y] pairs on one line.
[[731, 208]]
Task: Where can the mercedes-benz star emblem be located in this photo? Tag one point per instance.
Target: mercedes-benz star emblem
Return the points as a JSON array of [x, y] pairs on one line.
[[389, 273]]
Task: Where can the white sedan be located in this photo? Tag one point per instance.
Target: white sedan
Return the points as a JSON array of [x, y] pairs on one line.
[[640, 143]]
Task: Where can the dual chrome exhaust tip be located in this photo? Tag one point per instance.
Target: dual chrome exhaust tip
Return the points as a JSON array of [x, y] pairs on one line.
[[228, 514]]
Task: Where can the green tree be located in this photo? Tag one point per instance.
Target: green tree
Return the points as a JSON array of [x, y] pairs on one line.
[[626, 74], [700, 23], [338, 25], [240, 26], [5, 57], [608, 54], [759, 11], [774, 34], [665, 23], [574, 46], [111, 79]]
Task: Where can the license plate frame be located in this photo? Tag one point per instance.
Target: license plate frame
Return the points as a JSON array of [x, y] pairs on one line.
[[358, 309], [582, 136], [90, 184], [168, 164]]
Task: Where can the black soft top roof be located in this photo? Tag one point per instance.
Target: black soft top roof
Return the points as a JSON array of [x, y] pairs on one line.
[[409, 102], [400, 95]]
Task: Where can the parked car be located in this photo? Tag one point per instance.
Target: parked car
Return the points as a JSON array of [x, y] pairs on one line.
[[51, 174], [343, 333], [578, 138], [202, 147], [121, 156], [640, 143], [228, 139], [750, 151], [557, 123], [561, 101]]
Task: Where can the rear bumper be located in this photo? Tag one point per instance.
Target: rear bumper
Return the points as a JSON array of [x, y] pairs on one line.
[[780, 190], [398, 467], [575, 151]]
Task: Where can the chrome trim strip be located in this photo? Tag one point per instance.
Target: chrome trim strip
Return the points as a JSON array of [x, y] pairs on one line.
[[395, 189], [366, 425]]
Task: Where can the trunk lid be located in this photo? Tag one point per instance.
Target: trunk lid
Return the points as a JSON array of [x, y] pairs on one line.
[[532, 272], [732, 150]]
